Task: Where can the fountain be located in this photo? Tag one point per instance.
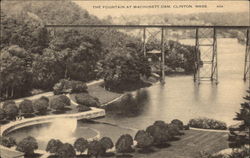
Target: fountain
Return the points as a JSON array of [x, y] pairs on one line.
[[61, 128]]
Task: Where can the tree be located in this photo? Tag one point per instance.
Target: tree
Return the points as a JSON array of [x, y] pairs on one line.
[[10, 110], [58, 103], [122, 67], [106, 143], [14, 71], [46, 70], [27, 145], [178, 123], [124, 144], [144, 139], [66, 151], [26, 106], [81, 145], [95, 148], [53, 146], [87, 100], [82, 108], [41, 105], [160, 132], [240, 135], [7, 141], [2, 114]]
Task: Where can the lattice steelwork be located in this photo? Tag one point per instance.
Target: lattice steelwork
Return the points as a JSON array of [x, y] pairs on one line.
[[205, 64], [206, 67], [247, 57]]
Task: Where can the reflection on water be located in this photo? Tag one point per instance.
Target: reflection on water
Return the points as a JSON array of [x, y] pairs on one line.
[[181, 98]]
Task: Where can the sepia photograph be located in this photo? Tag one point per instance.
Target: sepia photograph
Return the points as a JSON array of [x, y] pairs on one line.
[[125, 79]]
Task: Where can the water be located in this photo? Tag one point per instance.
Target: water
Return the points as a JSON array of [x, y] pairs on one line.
[[180, 98]]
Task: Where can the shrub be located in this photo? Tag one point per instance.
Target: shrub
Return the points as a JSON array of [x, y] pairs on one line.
[[59, 102], [173, 130], [159, 132], [87, 100], [178, 123], [41, 105], [144, 139], [66, 86], [186, 127], [27, 145], [7, 141], [106, 144], [66, 151], [53, 146], [95, 148], [64, 99], [124, 144], [8, 102], [26, 106], [81, 145], [82, 108], [2, 114], [240, 134], [206, 123], [10, 110]]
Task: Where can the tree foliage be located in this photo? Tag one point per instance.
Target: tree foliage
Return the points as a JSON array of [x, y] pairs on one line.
[[10, 109], [27, 145], [144, 139], [124, 144], [26, 106], [81, 145], [53, 146], [41, 105], [240, 135], [66, 150]]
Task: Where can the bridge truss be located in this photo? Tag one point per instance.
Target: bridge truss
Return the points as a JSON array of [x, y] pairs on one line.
[[205, 56]]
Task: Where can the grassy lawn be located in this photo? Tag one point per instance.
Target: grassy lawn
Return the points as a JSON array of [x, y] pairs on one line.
[[188, 146], [98, 91], [191, 144]]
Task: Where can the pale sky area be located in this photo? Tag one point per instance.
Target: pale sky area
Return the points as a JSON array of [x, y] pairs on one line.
[[160, 7]]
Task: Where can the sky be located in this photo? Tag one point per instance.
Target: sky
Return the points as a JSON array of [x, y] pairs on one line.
[[105, 8]]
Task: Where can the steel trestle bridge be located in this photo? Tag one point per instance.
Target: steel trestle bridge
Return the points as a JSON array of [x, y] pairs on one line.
[[205, 39]]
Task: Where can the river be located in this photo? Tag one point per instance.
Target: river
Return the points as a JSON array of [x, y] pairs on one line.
[[181, 98]]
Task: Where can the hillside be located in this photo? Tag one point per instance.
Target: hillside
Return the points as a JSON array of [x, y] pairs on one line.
[[35, 57]]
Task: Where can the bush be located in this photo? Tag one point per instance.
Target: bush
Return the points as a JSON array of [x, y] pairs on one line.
[[7, 141], [95, 148], [144, 139], [26, 106], [124, 144], [82, 108], [2, 114], [41, 105], [159, 131], [66, 151], [81, 145], [10, 110], [27, 145], [206, 123], [66, 86], [53, 146], [8, 102], [65, 100], [178, 123], [174, 130], [58, 103], [106, 144], [87, 100]]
